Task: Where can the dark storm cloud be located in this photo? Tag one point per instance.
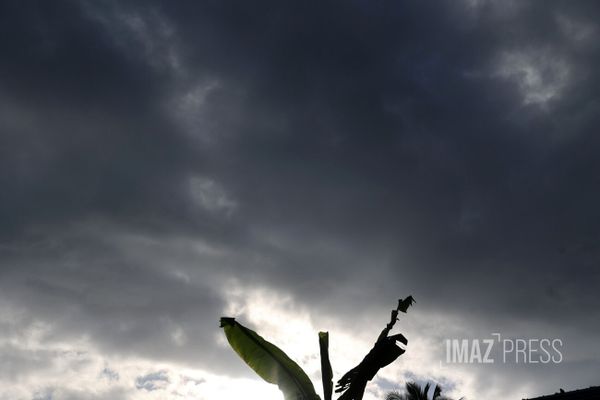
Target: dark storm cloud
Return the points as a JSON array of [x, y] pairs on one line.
[[79, 131], [346, 153], [390, 127]]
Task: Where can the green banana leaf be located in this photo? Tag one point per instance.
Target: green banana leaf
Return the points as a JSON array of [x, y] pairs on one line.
[[326, 371], [269, 362]]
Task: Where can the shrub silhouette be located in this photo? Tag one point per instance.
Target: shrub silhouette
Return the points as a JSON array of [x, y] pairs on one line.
[[414, 391]]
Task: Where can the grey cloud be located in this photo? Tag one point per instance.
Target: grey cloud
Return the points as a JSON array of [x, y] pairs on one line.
[[127, 299], [344, 153], [43, 395], [152, 381], [109, 374], [116, 394], [18, 362]]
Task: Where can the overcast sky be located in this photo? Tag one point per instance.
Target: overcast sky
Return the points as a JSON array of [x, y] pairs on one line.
[[300, 166]]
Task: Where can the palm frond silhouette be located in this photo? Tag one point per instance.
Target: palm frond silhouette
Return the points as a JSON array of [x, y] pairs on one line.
[[414, 391]]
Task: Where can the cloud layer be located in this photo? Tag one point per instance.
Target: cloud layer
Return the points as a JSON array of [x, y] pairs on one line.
[[163, 164]]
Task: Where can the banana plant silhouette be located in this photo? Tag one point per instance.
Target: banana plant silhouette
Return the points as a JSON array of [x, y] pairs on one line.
[[274, 366]]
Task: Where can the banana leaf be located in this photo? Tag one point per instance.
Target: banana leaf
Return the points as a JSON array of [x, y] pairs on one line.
[[269, 362]]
